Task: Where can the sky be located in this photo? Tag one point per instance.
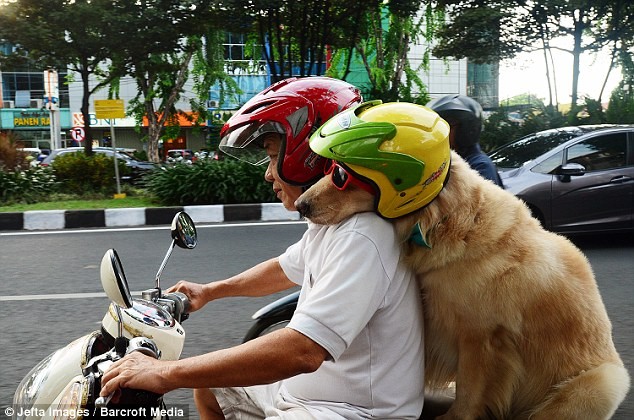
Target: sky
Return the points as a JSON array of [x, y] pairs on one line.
[[527, 74]]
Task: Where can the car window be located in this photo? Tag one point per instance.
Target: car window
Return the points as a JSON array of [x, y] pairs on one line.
[[548, 166], [531, 147], [600, 153]]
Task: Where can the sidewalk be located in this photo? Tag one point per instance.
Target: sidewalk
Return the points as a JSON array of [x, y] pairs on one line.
[[69, 219]]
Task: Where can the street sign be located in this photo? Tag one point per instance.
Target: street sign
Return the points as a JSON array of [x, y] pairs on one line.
[[109, 108], [78, 133], [51, 90]]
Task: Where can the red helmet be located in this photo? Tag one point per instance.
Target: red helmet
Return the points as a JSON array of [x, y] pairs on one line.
[[294, 108]]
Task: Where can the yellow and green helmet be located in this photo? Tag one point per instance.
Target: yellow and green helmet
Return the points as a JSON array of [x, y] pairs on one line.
[[400, 148]]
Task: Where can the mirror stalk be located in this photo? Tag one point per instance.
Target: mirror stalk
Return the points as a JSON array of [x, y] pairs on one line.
[[162, 267]]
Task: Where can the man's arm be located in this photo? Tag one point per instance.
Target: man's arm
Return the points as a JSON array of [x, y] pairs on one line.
[[270, 358], [261, 280]]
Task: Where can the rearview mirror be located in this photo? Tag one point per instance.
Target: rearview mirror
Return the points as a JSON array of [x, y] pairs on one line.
[[113, 280], [184, 231], [572, 169]]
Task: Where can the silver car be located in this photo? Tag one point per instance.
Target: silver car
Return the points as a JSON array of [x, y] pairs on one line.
[[574, 179]]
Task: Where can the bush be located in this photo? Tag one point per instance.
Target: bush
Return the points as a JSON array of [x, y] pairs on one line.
[[621, 106], [498, 130], [210, 182], [81, 174], [29, 186]]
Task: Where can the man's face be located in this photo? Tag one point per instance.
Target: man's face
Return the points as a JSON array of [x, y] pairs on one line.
[[286, 193]]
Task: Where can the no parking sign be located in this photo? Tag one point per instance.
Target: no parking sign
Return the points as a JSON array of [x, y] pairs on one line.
[[78, 133]]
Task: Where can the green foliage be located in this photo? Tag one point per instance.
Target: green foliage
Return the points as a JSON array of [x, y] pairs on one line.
[[486, 31], [28, 186], [621, 106], [380, 47], [81, 174], [498, 130], [140, 155], [297, 33], [210, 182]]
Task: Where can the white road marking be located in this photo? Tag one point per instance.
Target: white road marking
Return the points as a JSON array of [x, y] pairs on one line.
[[145, 228], [57, 296]]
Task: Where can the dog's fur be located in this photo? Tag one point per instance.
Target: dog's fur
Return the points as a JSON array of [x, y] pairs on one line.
[[513, 314]]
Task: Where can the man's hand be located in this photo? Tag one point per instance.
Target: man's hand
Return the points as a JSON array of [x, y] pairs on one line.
[[135, 371], [194, 292]]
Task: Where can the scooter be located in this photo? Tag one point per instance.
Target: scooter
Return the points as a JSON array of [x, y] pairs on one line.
[[274, 316], [66, 384]]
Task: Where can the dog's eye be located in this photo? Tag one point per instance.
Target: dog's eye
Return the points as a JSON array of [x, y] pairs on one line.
[[339, 177]]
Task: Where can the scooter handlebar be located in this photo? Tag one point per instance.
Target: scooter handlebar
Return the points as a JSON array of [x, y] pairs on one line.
[[178, 303]]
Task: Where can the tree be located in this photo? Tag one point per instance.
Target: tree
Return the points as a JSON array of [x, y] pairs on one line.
[[485, 31], [621, 106], [295, 36], [168, 34], [152, 40], [46, 33], [381, 44]]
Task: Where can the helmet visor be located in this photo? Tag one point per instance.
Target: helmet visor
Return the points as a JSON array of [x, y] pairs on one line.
[[246, 143]]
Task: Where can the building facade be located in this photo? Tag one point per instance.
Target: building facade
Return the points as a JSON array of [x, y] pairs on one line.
[[23, 111]]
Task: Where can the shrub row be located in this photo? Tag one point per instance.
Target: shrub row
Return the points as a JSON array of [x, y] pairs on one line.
[[80, 174], [205, 182], [210, 182], [26, 186]]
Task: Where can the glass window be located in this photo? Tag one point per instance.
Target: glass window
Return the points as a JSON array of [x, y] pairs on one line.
[[549, 165], [237, 52], [600, 153], [531, 147]]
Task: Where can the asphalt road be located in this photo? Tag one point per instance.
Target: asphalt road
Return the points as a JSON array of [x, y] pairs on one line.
[[67, 263]]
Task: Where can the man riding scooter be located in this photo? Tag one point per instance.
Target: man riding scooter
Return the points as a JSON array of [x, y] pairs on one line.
[[354, 347]]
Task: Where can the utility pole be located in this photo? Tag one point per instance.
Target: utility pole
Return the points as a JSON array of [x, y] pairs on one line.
[[51, 97]]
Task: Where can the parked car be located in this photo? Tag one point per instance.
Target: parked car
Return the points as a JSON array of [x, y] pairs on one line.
[[208, 155], [574, 179], [180, 156], [138, 168], [33, 155]]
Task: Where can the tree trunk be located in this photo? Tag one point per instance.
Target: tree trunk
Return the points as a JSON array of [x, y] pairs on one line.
[[552, 65], [576, 55], [550, 87], [607, 76], [85, 110], [157, 118]]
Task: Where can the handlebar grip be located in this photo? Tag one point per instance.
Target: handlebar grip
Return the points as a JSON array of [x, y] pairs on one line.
[[185, 301], [181, 305], [103, 401]]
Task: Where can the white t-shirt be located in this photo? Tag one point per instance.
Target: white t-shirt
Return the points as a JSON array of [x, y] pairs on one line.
[[362, 305]]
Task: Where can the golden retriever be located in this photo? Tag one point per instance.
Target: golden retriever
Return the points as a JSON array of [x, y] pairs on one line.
[[513, 314]]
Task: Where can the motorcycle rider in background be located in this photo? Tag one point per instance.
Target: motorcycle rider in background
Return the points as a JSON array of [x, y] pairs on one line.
[[464, 115], [354, 347]]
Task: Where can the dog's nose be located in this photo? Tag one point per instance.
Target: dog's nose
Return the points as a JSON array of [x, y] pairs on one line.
[[302, 207]]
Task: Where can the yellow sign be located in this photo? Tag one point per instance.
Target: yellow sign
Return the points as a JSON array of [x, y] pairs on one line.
[[31, 121], [109, 108]]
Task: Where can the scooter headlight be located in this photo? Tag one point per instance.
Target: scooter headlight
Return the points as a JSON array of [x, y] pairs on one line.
[[73, 401], [28, 390]]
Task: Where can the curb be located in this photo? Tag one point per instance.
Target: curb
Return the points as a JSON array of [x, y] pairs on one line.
[[215, 213]]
